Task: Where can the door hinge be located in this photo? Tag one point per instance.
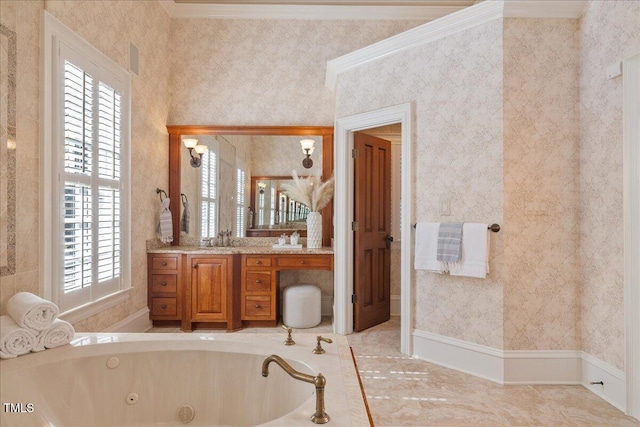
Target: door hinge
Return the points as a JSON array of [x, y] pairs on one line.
[[354, 298], [355, 153], [354, 225]]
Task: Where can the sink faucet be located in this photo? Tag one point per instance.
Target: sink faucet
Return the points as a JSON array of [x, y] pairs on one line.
[[320, 416]]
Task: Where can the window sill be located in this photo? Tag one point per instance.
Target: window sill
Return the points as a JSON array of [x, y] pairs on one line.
[[85, 311]]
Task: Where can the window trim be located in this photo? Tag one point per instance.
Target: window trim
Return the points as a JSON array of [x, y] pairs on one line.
[[53, 33]]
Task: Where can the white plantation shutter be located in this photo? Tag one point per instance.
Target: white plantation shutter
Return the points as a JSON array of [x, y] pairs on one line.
[[208, 203], [91, 181], [240, 200]]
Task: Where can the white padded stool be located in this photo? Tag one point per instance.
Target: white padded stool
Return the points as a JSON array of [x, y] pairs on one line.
[[301, 306]]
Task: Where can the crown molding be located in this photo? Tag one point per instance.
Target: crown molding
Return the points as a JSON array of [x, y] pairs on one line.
[[424, 34], [565, 9], [306, 12], [462, 20]]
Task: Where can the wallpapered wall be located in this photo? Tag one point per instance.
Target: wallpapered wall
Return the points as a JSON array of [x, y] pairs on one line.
[[109, 26], [252, 72], [560, 287], [541, 194], [456, 84], [24, 19], [609, 32]]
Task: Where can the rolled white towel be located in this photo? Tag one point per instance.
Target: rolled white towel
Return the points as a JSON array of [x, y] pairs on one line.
[[14, 340], [60, 333], [31, 311]]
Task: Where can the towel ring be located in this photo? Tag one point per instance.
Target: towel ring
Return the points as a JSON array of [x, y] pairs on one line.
[[160, 192]]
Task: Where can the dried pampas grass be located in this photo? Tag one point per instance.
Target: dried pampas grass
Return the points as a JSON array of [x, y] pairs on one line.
[[310, 191]]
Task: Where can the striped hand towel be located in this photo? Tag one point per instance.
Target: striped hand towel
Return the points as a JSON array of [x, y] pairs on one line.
[[184, 221], [165, 226], [449, 242]]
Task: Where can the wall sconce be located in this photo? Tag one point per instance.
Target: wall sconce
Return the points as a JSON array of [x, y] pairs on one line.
[[307, 149], [261, 187], [192, 145]]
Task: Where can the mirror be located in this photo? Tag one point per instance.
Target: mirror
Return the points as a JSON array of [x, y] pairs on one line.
[[271, 208], [219, 187], [8, 59]]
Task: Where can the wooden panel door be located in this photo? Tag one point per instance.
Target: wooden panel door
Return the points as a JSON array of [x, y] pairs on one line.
[[372, 214], [209, 279]]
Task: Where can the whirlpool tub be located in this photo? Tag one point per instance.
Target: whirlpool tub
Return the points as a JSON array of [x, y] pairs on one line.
[[199, 379]]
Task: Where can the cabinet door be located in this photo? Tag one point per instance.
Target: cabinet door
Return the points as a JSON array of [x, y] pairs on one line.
[[209, 279]]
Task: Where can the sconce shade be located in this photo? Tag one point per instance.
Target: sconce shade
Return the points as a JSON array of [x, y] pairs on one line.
[[201, 149], [307, 144], [190, 142]]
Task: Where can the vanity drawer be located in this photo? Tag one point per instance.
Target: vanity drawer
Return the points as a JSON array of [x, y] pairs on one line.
[[164, 262], [258, 261], [164, 283], [164, 307], [304, 261], [258, 281], [257, 306]]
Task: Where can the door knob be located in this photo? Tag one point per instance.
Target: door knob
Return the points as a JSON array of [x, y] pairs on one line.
[[388, 239]]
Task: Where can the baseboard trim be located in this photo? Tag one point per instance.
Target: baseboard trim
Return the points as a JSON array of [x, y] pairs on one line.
[[137, 322], [512, 366], [614, 388], [542, 367], [470, 358], [395, 305]]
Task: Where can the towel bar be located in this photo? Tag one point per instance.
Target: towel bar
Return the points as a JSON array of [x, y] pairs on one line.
[[493, 227]]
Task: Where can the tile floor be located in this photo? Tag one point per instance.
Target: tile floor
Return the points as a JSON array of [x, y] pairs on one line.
[[402, 391]]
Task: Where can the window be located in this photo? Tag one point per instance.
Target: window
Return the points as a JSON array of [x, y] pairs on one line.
[[272, 204], [240, 201], [209, 193], [88, 160]]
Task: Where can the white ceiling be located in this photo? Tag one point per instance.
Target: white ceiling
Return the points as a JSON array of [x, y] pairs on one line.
[[422, 10]]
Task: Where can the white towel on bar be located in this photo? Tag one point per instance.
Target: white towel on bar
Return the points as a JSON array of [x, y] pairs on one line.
[[474, 258], [31, 311], [426, 251], [14, 340], [60, 333], [165, 226]]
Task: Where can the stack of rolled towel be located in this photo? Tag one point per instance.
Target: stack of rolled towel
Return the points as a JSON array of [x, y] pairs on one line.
[[32, 325]]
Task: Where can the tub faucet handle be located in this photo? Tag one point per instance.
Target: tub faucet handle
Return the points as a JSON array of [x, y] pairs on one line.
[[289, 340], [319, 349]]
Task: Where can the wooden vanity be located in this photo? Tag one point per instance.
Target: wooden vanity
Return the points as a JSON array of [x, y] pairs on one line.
[[227, 288]]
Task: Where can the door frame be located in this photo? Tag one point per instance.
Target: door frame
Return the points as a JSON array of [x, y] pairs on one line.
[[631, 197], [343, 211]]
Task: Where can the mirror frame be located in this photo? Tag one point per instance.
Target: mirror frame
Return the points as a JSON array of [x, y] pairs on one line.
[[175, 150]]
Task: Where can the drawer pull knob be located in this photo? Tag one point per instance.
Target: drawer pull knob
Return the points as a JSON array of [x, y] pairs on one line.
[[258, 262], [303, 262], [257, 305], [163, 284], [164, 263], [163, 306], [195, 265], [258, 281]]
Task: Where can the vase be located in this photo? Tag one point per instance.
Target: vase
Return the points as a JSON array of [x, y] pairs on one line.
[[314, 230]]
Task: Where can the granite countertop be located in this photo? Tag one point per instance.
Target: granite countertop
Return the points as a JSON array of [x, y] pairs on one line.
[[230, 250]]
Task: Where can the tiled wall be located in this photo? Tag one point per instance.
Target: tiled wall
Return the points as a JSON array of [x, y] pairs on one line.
[[608, 33], [541, 195], [456, 85]]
